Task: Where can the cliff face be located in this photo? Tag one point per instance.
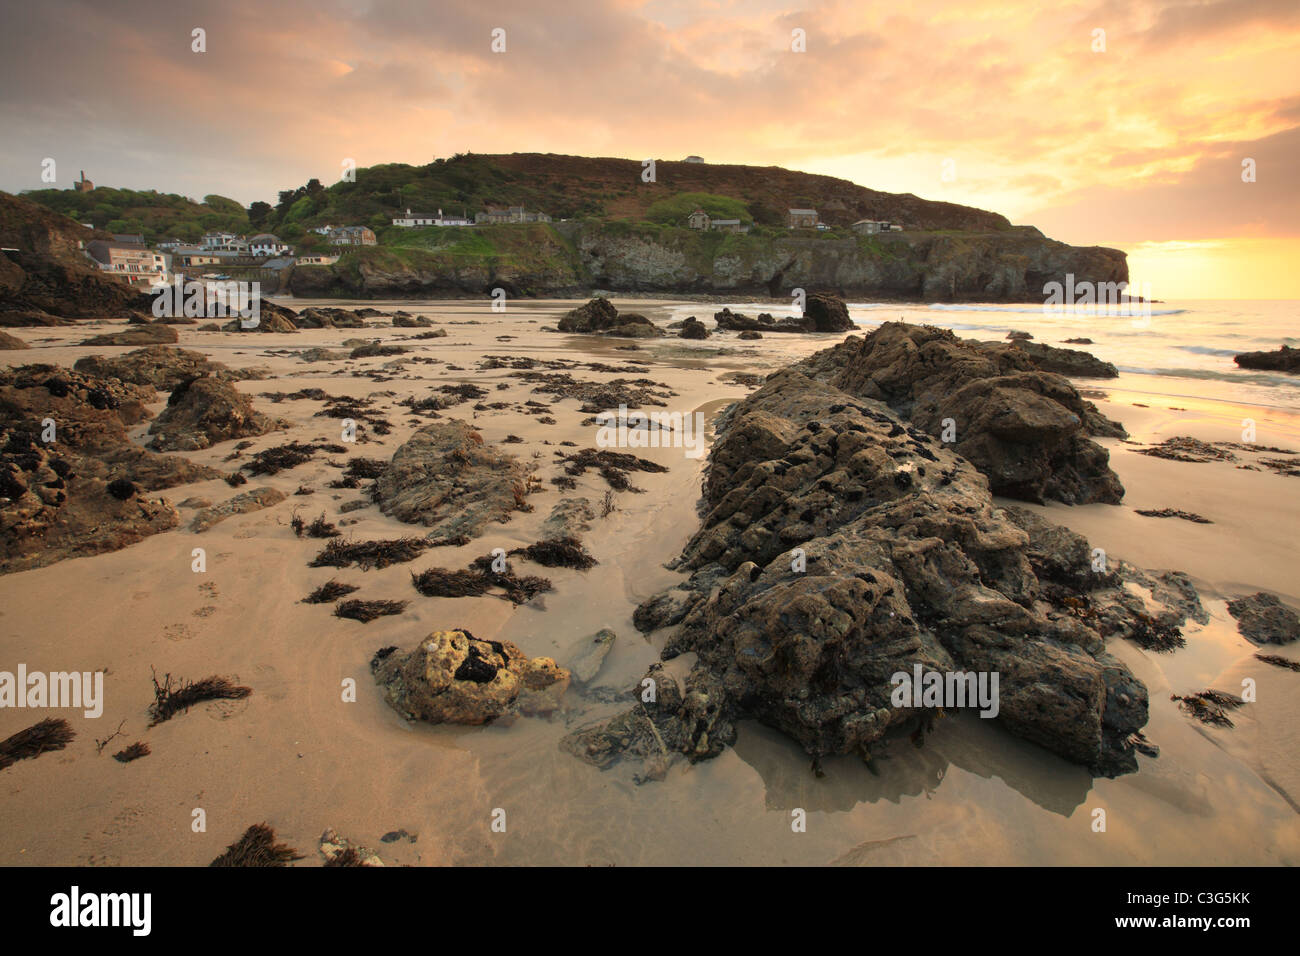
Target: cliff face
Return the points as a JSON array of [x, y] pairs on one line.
[[570, 258], [49, 275]]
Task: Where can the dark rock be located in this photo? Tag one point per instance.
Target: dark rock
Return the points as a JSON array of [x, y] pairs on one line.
[[595, 316], [447, 478], [1264, 619], [902, 561], [8, 341], [148, 334], [157, 365], [1285, 359], [1029, 431], [85, 492], [825, 313], [1061, 361], [204, 411], [749, 335], [693, 328]]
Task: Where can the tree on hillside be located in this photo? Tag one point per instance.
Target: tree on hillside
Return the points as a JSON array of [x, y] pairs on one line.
[[259, 212]]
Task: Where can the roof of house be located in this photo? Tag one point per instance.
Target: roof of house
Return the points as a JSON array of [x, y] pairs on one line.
[[726, 222], [803, 212], [264, 237]]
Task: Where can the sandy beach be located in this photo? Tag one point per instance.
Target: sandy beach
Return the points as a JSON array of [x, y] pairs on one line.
[[299, 756]]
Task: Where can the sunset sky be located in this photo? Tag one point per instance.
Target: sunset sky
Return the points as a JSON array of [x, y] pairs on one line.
[[1139, 146]]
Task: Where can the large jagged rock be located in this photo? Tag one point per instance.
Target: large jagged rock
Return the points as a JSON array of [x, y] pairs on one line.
[[693, 328], [270, 318], [11, 342], [72, 483], [1285, 359], [842, 546], [157, 365], [729, 321], [204, 411], [151, 333], [600, 316], [825, 313], [446, 478], [453, 677], [1029, 431], [596, 315]]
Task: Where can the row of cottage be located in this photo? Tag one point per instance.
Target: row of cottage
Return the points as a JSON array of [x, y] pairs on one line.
[[795, 219], [128, 257]]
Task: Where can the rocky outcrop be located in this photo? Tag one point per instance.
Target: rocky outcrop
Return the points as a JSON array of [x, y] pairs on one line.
[[1262, 618], [45, 274], [161, 367], [693, 328], [11, 342], [1285, 359], [329, 318], [600, 316], [729, 321], [448, 479], [72, 483], [842, 547], [453, 677], [240, 504], [825, 313], [145, 334], [1006, 264], [1029, 431], [203, 412], [1048, 358]]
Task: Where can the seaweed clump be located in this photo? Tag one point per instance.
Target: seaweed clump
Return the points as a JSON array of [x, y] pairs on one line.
[[478, 579], [134, 752], [1277, 661], [613, 466], [331, 590], [1209, 706], [367, 611], [257, 847], [271, 461], [171, 698], [369, 554], [52, 733], [566, 552]]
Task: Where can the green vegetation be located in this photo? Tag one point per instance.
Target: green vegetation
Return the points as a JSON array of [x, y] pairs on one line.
[[156, 215], [677, 209]]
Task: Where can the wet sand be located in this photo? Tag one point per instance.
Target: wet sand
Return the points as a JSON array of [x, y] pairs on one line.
[[297, 756]]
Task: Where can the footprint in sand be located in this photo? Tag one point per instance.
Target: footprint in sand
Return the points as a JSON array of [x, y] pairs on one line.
[[226, 709], [178, 632], [205, 611]]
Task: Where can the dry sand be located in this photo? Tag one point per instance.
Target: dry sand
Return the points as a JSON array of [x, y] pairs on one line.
[[297, 756]]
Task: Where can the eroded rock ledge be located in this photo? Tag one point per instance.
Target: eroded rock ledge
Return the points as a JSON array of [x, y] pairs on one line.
[[843, 544]]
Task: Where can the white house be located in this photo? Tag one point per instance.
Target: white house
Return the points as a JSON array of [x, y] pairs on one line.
[[265, 244], [224, 240], [413, 219]]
